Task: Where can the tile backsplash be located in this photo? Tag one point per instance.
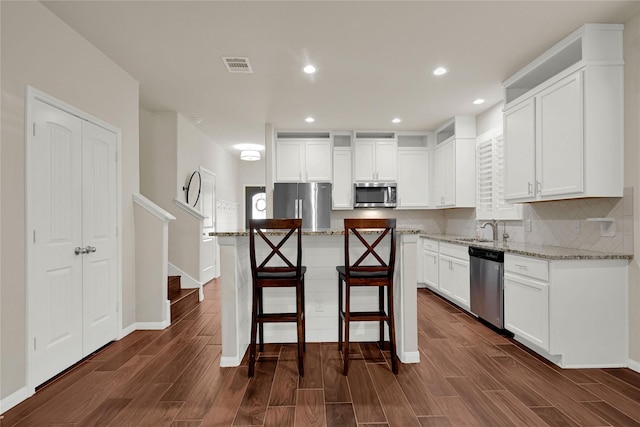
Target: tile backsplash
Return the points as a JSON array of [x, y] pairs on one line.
[[431, 221], [561, 223]]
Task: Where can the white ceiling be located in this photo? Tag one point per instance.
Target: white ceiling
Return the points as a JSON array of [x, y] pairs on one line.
[[374, 59]]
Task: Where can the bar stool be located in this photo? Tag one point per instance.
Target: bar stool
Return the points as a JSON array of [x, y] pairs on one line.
[[276, 271], [376, 271]]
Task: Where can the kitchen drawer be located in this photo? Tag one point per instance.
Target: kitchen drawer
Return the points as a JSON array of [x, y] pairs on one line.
[[525, 266], [456, 251], [430, 245]]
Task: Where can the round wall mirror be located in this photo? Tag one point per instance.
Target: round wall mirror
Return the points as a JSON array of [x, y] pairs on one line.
[[193, 188]]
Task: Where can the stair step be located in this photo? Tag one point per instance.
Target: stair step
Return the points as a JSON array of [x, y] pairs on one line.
[[183, 302], [174, 287]]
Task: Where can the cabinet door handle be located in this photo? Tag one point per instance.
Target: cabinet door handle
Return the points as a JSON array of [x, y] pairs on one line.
[[520, 266], [530, 188], [538, 187]]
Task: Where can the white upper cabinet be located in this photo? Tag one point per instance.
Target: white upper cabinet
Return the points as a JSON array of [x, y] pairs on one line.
[[413, 178], [375, 160], [342, 190], [303, 160], [563, 120], [454, 164], [490, 189], [520, 151]]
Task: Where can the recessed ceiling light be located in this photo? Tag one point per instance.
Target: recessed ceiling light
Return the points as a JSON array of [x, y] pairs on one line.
[[396, 120], [440, 71], [309, 69], [478, 101], [309, 120]]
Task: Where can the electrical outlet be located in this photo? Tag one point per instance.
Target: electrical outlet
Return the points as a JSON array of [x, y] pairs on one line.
[[576, 227], [527, 225], [319, 306]]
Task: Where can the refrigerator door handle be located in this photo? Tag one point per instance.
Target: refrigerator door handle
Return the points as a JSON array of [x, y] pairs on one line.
[[295, 208], [300, 208]]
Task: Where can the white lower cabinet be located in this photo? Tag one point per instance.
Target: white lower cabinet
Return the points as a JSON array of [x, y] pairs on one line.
[[526, 309], [429, 266], [453, 271], [573, 312]]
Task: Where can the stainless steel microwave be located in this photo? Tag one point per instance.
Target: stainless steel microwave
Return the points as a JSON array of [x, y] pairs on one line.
[[375, 195]]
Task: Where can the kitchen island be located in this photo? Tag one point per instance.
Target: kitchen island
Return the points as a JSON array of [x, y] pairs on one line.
[[322, 251]]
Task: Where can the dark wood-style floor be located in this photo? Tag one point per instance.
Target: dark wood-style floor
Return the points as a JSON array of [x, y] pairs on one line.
[[467, 376]]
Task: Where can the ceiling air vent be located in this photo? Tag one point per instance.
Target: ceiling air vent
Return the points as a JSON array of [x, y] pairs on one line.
[[237, 64]]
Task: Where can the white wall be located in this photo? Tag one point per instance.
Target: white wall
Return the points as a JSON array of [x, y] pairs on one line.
[[158, 151], [490, 119], [151, 267], [171, 148], [631, 171], [40, 50]]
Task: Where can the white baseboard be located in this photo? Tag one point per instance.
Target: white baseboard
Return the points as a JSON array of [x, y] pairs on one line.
[[14, 399], [409, 356], [229, 362], [167, 312], [152, 326], [127, 330], [186, 281], [634, 365]]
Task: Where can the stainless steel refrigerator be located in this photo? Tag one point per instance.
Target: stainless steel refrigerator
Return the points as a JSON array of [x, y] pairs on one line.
[[310, 201]]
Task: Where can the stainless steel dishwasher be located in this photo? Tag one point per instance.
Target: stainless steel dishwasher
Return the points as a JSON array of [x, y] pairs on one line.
[[486, 269]]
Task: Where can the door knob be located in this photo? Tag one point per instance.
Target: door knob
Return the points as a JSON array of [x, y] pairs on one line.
[[80, 250], [90, 249]]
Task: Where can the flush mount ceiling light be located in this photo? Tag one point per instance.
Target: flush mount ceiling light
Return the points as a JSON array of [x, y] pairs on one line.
[[253, 147], [309, 69], [396, 120], [250, 155], [440, 71], [478, 101], [309, 120]]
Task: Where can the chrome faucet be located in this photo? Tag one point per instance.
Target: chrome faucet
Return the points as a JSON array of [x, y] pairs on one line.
[[494, 228]]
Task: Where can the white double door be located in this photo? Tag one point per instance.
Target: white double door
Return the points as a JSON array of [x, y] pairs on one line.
[[74, 252]]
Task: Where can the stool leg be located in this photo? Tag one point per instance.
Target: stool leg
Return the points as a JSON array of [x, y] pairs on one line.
[[392, 330], [347, 322], [261, 312], [254, 321], [304, 320], [381, 309], [300, 327], [339, 313]]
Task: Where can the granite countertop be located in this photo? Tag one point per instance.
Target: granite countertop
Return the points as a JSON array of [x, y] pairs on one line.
[[525, 249], [323, 232], [537, 251]]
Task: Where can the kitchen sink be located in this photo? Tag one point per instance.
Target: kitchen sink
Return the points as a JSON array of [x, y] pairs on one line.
[[474, 240]]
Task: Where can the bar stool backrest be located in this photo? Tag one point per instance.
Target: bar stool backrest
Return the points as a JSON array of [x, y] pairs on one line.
[[272, 235], [376, 252]]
